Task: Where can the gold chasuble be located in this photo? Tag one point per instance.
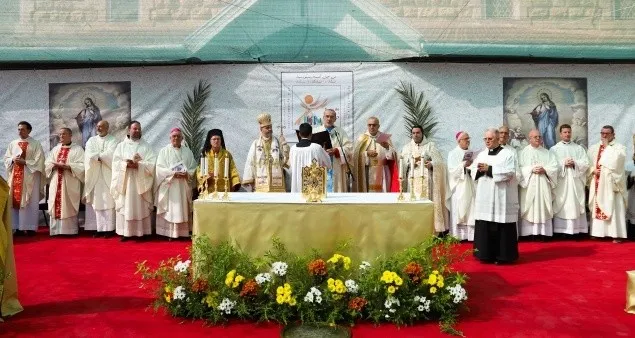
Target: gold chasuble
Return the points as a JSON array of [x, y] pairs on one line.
[[234, 179], [9, 304], [374, 174], [264, 166]]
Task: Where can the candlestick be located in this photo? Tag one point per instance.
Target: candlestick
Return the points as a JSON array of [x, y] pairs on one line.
[[422, 166], [202, 165], [215, 167], [412, 167], [400, 198], [226, 168], [226, 193], [413, 197], [401, 168], [215, 193]]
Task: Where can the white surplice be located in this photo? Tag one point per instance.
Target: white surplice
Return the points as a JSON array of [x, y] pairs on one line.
[[300, 157], [64, 188], [607, 192], [536, 191], [29, 184], [344, 146], [131, 188], [569, 209], [461, 194], [100, 206], [174, 195], [496, 197]]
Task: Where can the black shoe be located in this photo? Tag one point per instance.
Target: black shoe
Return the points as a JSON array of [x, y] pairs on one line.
[[124, 238], [108, 234], [97, 235]]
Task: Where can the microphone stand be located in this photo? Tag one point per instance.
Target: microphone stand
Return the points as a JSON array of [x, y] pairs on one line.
[[348, 166]]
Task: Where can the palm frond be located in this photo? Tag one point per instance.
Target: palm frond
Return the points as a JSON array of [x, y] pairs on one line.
[[417, 110], [193, 117]]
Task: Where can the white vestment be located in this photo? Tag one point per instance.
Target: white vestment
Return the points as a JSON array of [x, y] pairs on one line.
[[607, 192], [100, 206], [536, 195], [174, 195], [301, 157], [64, 188], [264, 167], [630, 212], [27, 181], [337, 175], [461, 194], [569, 208], [496, 198], [131, 188]]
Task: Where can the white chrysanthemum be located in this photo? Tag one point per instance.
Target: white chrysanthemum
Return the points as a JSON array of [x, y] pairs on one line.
[[279, 268], [315, 291], [417, 298], [226, 306], [365, 265], [179, 292], [387, 316], [263, 278], [420, 308], [318, 299], [458, 292], [387, 304], [182, 266], [309, 297], [351, 286], [392, 310], [426, 305]]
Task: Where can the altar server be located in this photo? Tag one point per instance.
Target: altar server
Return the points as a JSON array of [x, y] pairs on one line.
[[64, 168], [132, 182], [302, 155], [496, 203], [100, 206], [173, 191], [24, 164], [461, 189], [569, 206]]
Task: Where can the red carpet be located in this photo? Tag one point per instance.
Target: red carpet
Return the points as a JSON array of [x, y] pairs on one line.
[[85, 287]]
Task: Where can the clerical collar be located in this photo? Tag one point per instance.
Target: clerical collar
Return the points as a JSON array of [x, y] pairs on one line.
[[494, 151], [565, 142], [305, 142]]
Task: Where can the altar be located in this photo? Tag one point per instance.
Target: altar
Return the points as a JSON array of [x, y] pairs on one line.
[[373, 223]]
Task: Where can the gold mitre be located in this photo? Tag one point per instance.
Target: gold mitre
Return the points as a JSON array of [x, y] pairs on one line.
[[264, 119]]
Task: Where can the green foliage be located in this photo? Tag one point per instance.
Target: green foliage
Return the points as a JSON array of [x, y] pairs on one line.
[[222, 282], [193, 118], [417, 110]]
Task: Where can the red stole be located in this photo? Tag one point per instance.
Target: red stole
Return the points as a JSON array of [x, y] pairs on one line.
[[598, 212], [62, 156], [18, 177]]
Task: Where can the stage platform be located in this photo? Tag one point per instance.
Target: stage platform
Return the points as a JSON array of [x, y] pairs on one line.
[[374, 223]]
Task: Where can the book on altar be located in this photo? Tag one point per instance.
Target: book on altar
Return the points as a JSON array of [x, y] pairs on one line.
[[179, 168], [323, 139], [383, 137]]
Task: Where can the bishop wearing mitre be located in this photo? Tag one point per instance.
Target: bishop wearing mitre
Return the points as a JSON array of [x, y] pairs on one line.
[[132, 182], [266, 160], [539, 169], [100, 206], [64, 168], [173, 190]]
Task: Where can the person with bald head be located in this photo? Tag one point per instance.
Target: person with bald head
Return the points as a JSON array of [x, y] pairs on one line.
[[539, 169], [64, 168], [100, 206], [172, 187], [340, 154], [372, 158], [132, 184], [461, 188], [496, 202]]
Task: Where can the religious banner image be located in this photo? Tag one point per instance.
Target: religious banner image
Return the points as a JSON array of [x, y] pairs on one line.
[[545, 104], [80, 106], [306, 95]]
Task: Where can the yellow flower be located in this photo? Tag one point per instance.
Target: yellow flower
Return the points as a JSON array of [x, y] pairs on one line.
[[433, 290], [331, 288], [440, 278], [338, 283], [436, 272], [440, 283], [235, 284], [209, 300], [337, 297], [168, 298], [292, 302], [347, 263], [398, 281], [432, 279], [391, 289], [330, 282], [340, 289], [279, 299], [287, 287], [286, 298], [231, 274], [239, 278], [168, 289], [280, 291]]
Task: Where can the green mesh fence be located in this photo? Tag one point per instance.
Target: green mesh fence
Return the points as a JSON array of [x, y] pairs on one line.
[[312, 30]]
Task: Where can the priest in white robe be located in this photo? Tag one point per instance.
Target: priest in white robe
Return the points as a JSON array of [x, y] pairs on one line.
[[302, 155], [175, 170], [607, 192], [266, 160], [341, 153], [24, 165], [100, 206], [132, 182], [539, 169], [496, 203], [375, 168], [462, 189], [569, 205], [425, 172], [64, 168]]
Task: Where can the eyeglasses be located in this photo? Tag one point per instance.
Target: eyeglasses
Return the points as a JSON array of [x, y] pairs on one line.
[[536, 137], [488, 138], [372, 125]]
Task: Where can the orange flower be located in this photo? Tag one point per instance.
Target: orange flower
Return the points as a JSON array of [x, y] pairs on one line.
[[413, 270], [357, 304], [317, 268], [199, 285], [250, 289]]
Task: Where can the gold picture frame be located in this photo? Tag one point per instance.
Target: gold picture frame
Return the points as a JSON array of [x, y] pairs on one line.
[[314, 182]]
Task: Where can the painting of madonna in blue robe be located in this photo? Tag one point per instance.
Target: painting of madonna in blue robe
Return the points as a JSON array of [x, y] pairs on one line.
[[545, 117]]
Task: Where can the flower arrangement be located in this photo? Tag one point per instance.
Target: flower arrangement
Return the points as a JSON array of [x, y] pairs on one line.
[[417, 284]]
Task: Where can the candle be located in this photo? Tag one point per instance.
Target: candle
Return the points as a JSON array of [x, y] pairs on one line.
[[422, 165], [202, 166], [401, 168], [226, 167], [216, 167], [412, 167]]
